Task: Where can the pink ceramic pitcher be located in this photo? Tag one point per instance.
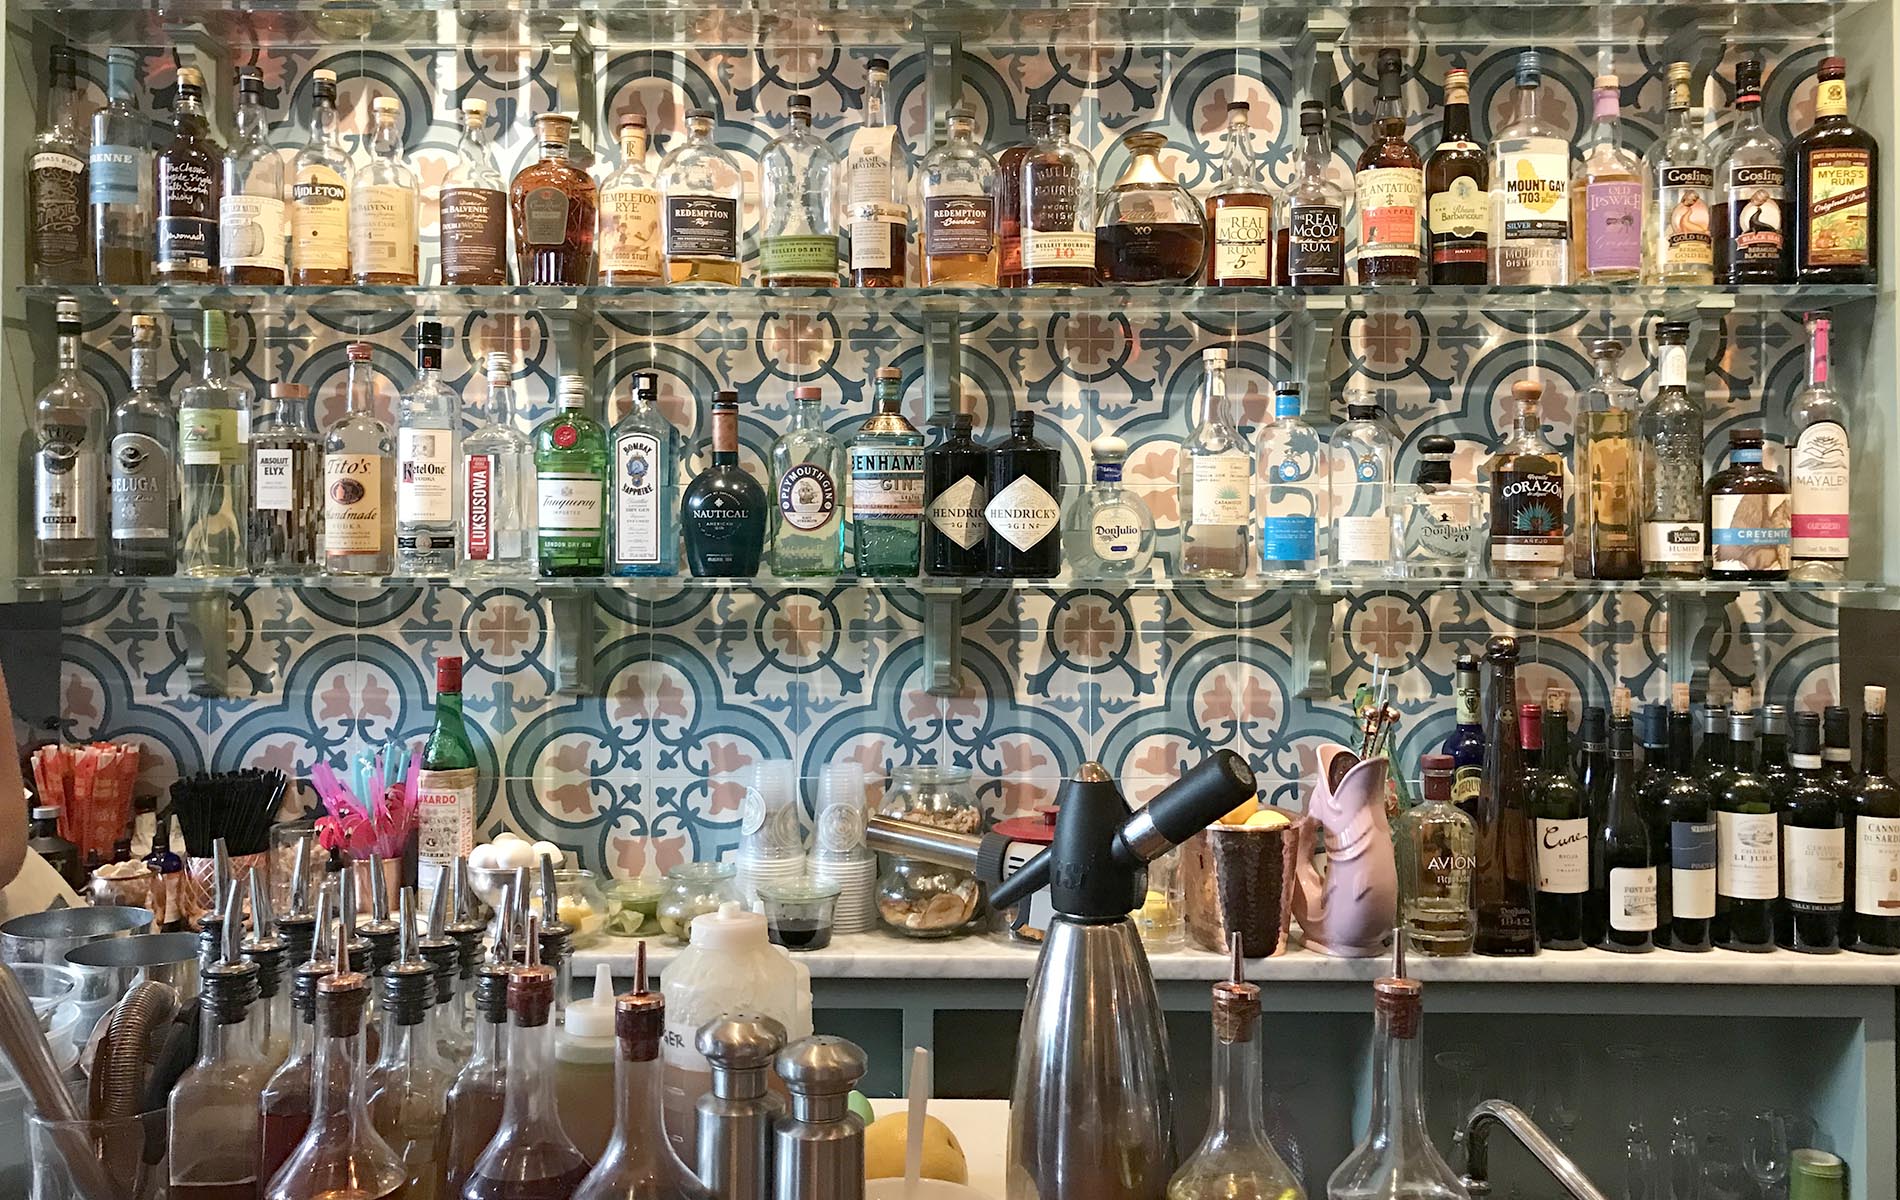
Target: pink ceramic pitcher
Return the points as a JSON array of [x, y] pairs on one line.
[[1350, 909]]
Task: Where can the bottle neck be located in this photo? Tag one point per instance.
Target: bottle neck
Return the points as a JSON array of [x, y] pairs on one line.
[[1316, 153], [448, 714], [490, 1044], [633, 146], [217, 363], [1681, 742], [1529, 421], [387, 141], [1467, 696], [874, 101], [553, 151], [250, 121], [1389, 113], [501, 403], [337, 1102], [1398, 1110], [1748, 115], [121, 83], [1819, 330], [1605, 116], [639, 1142], [361, 389], [144, 368], [1457, 120], [1524, 103], [1240, 158], [1214, 394], [189, 115], [1873, 744], [1235, 1112], [530, 1098], [1741, 753], [1557, 742], [323, 121], [220, 1041]]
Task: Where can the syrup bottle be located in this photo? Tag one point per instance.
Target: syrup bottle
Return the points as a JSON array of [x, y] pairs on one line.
[[473, 1111], [469, 929], [213, 1108], [408, 1084], [271, 1020], [444, 957], [283, 1109]]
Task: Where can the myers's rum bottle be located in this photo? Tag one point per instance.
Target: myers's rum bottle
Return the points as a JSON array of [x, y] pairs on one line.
[[1836, 196]]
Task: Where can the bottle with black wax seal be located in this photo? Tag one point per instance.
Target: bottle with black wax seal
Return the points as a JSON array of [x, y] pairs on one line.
[[1813, 849], [1712, 757], [1025, 508], [1686, 892], [1622, 861], [956, 492], [1561, 824], [1310, 245]]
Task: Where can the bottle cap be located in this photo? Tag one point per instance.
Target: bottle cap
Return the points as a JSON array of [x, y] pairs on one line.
[[322, 76], [730, 927], [250, 79], [877, 64], [385, 104], [358, 351], [1530, 725], [1606, 348], [699, 114], [640, 1015], [1214, 354], [1530, 68], [1527, 391], [45, 812], [632, 120], [190, 79], [1501, 649], [1023, 423], [807, 392], [889, 373], [1108, 448], [740, 1043], [288, 391], [1833, 67], [474, 108], [448, 673], [1437, 445], [1748, 82], [1607, 83], [593, 1017], [961, 112], [429, 333], [1312, 117], [1874, 701], [501, 366], [571, 388], [821, 1065]]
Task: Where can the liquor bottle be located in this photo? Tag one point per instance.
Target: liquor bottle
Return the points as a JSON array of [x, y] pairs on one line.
[[1623, 863], [1818, 463], [1527, 494], [799, 175], [887, 486], [807, 466], [472, 1110], [428, 428], [959, 184], [724, 511], [445, 785], [1458, 194], [383, 203], [1437, 525], [270, 1012], [1751, 217], [251, 203], [1240, 213], [956, 491], [119, 177], [69, 464], [359, 479], [631, 248], [1111, 531], [474, 207], [1712, 756], [1438, 844], [1560, 813], [497, 472], [1464, 745], [555, 207], [1148, 229], [1687, 813], [1025, 507], [1292, 496], [1749, 522], [142, 461], [320, 194], [1362, 451], [212, 1126], [286, 484], [1390, 181], [1682, 177], [701, 188], [1216, 487], [1871, 922], [1836, 168], [1530, 181], [1813, 849], [1748, 877], [1837, 751], [409, 1082], [1775, 771], [877, 187], [214, 463], [59, 243], [189, 172], [1607, 543], [1606, 197], [570, 480], [1503, 881], [1669, 438], [1058, 188], [1009, 196], [646, 464], [1310, 248], [284, 1106], [1652, 737]]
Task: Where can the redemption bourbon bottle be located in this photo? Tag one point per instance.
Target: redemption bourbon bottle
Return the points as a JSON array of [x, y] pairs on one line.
[[1836, 163], [1390, 181], [555, 205]]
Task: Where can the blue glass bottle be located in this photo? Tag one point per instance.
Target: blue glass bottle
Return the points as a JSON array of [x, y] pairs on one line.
[[1466, 743], [645, 451], [724, 510]]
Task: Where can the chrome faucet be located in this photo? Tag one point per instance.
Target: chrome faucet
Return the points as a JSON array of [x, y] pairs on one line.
[[1477, 1133]]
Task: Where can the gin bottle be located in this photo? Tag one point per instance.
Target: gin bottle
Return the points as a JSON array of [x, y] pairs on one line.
[[646, 458], [1530, 181], [383, 203], [1606, 543], [1361, 457], [701, 187], [630, 249], [1527, 494], [724, 510], [69, 465], [1437, 525], [1291, 490], [570, 480], [474, 207], [251, 208], [1025, 509], [1216, 484], [428, 427], [214, 476], [497, 467], [959, 192], [798, 183], [359, 479], [1111, 532], [1438, 848], [287, 484], [1606, 197], [1818, 467], [887, 486], [119, 177], [1669, 438], [144, 466], [56, 187], [1681, 177], [877, 187], [956, 487], [808, 521]]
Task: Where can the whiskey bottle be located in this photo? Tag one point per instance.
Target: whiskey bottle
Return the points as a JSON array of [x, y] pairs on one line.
[[1669, 438], [877, 187], [1458, 194], [1836, 168], [1111, 531], [570, 482], [807, 469], [383, 203], [1240, 212], [1216, 482], [1025, 509], [1437, 525], [1606, 197], [189, 172], [359, 479], [119, 177], [59, 248], [1390, 181], [1530, 181], [631, 251], [474, 207], [724, 510], [555, 206], [1561, 826], [497, 470], [701, 188], [959, 181], [287, 484], [1438, 844], [214, 463], [1622, 862], [1361, 455], [1751, 213], [1686, 813], [1292, 497], [1871, 918], [1503, 878], [69, 461], [428, 430], [1009, 197], [1749, 526], [320, 194], [1682, 178], [646, 463], [1527, 495], [798, 183], [956, 490], [1818, 463], [251, 204], [143, 465], [887, 486], [1748, 857], [1058, 190], [1148, 229], [1813, 849], [1310, 249], [1607, 541]]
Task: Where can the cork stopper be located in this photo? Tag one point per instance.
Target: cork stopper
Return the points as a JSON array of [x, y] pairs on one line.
[[1236, 1002], [1527, 391], [640, 1015], [1457, 86], [342, 994], [1557, 700], [1619, 702], [1397, 999], [1874, 701], [1679, 697], [531, 987], [1741, 700]]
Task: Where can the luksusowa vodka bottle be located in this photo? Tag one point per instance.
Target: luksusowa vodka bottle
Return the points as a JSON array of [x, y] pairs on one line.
[[1360, 478], [1292, 495], [1216, 483], [1111, 532], [497, 472]]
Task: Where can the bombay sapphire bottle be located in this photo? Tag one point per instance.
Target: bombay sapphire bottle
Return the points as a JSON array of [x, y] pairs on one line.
[[1290, 489], [724, 510], [887, 486], [1111, 532], [807, 521], [646, 455]]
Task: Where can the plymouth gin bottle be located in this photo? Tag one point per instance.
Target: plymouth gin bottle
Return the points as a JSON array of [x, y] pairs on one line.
[[428, 426], [1290, 489], [570, 481], [1437, 525], [1682, 177], [1817, 467], [1111, 532], [69, 472], [1527, 495], [646, 457], [956, 488], [1216, 485], [1025, 509], [214, 468], [887, 486], [807, 467], [1669, 440], [359, 479], [286, 484], [497, 466], [144, 466], [1361, 485], [1530, 181], [724, 511]]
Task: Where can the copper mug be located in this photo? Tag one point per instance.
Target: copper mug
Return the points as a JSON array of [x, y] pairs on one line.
[[1239, 879]]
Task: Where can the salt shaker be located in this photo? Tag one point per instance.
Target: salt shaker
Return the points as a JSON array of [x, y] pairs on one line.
[[818, 1150], [735, 1119]]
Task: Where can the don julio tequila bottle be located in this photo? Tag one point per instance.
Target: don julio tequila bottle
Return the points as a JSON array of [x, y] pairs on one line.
[[1111, 532]]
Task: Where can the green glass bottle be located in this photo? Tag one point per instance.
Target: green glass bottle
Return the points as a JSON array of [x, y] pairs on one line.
[[887, 486], [570, 482], [445, 787], [807, 524]]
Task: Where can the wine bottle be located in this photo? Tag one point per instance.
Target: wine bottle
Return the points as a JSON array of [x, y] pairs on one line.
[[1593, 776], [1814, 849], [1503, 882], [1562, 829], [1837, 750], [1712, 758], [1748, 855], [1690, 886], [1872, 923], [1623, 869], [1773, 756], [1466, 741]]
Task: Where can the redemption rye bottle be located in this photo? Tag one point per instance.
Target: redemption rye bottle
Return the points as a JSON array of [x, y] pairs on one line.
[[1215, 488], [1607, 541], [474, 212], [320, 194], [287, 484], [1836, 168], [1813, 849], [119, 177], [701, 188], [1606, 197], [1690, 860], [1458, 194], [428, 436], [214, 464], [630, 241], [1748, 877], [1310, 244], [69, 461], [1818, 459], [1561, 826], [1530, 181], [570, 482], [1148, 229], [807, 471], [887, 486], [1503, 879], [876, 189], [1390, 180], [1025, 509], [1058, 189], [1682, 179], [1009, 197], [1527, 495], [1240, 212], [251, 206], [959, 180], [189, 173], [723, 512], [646, 464], [58, 235], [383, 205], [798, 185], [1669, 439], [1749, 525], [142, 461], [1751, 215], [359, 480], [1622, 862], [956, 491], [1438, 844], [496, 472], [555, 207], [1872, 915]]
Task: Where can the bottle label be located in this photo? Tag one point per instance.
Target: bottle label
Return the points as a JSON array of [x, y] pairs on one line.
[[1315, 243], [1877, 866], [67, 484], [1289, 538], [445, 814], [702, 227], [185, 245], [1692, 859], [1749, 532], [887, 483], [352, 504], [251, 232], [1748, 857], [867, 165], [319, 220], [1830, 98], [474, 235], [1362, 539], [544, 217], [1613, 225], [383, 230], [271, 484], [1817, 483], [1684, 207], [1389, 200], [1756, 216], [957, 513], [1442, 528], [1563, 855], [801, 254], [874, 227], [1527, 517], [1460, 221], [1813, 865], [57, 184], [1220, 489], [142, 481], [1024, 513], [1465, 784], [807, 497], [568, 503], [1115, 532], [478, 507], [208, 437], [115, 174], [1242, 236], [637, 470], [1633, 899], [1840, 207], [424, 494], [630, 231], [1058, 248], [958, 225], [1535, 187], [1673, 542]]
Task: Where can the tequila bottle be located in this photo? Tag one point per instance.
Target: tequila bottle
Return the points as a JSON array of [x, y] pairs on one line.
[[646, 462], [320, 194], [58, 249], [877, 187], [1681, 178], [1669, 438], [359, 479], [630, 245], [959, 192], [887, 486], [723, 512], [808, 520], [1438, 846], [69, 463], [287, 484], [474, 207], [428, 428], [798, 184], [383, 203], [1216, 484], [1437, 525], [570, 478], [214, 475], [119, 177], [1291, 489], [144, 466], [1527, 494], [251, 207], [1240, 212], [956, 488], [1818, 466], [1360, 474], [1606, 542], [188, 175], [1058, 190], [1751, 211], [701, 187], [1111, 532], [1311, 241], [497, 470], [1530, 181], [1606, 197]]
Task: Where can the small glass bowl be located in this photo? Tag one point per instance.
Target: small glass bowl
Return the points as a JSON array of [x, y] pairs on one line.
[[633, 906], [798, 915], [692, 889], [582, 906]]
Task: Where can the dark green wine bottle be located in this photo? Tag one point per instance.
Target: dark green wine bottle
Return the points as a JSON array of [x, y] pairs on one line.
[[1813, 849], [1687, 897], [1748, 851], [1622, 867], [1562, 829], [1872, 924]]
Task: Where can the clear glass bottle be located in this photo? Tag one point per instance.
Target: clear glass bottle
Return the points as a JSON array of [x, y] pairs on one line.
[[1361, 456], [428, 428], [1530, 182], [808, 465], [214, 463], [1239, 211], [1528, 490], [958, 181], [799, 175], [1437, 525], [1751, 210], [1293, 495], [1606, 197], [887, 486], [472, 1109], [251, 207], [723, 510], [58, 235], [640, 1159], [555, 210], [631, 249], [701, 190], [1749, 526], [570, 482], [286, 1103], [877, 189], [188, 175], [143, 464], [408, 1086], [497, 469], [474, 207], [1058, 190], [383, 203], [1681, 179], [1607, 541], [286, 484], [1216, 482], [1818, 458], [1669, 439], [119, 177], [359, 479], [320, 194], [1111, 531], [212, 1125], [1310, 247], [646, 466], [1438, 846], [1148, 229]]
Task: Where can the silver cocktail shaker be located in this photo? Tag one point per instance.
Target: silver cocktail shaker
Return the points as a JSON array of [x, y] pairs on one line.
[[818, 1150], [735, 1119]]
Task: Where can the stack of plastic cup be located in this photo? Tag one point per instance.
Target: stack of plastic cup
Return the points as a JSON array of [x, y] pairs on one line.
[[771, 839], [838, 852]]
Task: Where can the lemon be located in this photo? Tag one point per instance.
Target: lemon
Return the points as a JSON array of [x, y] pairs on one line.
[[884, 1150]]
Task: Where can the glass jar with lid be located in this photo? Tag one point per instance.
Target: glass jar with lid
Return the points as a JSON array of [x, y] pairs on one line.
[[1149, 229], [922, 899], [693, 889]]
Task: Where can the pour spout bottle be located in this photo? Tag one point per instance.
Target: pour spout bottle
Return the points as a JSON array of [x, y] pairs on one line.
[[474, 1104], [584, 1054]]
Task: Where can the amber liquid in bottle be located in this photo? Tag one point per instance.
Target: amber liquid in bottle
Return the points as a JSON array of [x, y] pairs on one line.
[[1460, 251], [1009, 201], [1836, 190], [556, 206], [1391, 162]]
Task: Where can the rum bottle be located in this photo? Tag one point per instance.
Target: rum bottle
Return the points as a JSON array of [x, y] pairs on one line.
[[474, 207], [877, 187], [1682, 178], [320, 194], [1390, 181], [1527, 494], [1503, 880], [1836, 169], [1690, 820], [1058, 187], [286, 484], [1622, 862], [1310, 245], [189, 173], [1458, 194], [724, 510], [1818, 460], [1009, 197], [1748, 840], [1240, 212], [1438, 846], [555, 207], [119, 177], [1813, 849], [1749, 522], [251, 204], [959, 182], [383, 204], [59, 248], [1751, 212], [631, 250], [1530, 182], [1025, 508], [701, 188], [1561, 826], [956, 490], [798, 183], [887, 486], [1872, 913]]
